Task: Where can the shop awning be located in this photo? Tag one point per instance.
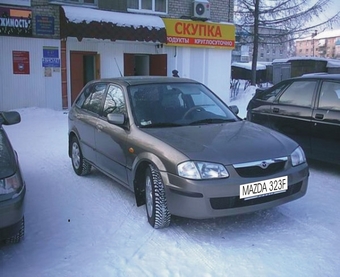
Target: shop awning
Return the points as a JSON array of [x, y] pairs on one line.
[[93, 23]]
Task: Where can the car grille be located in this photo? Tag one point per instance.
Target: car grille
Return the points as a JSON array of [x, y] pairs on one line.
[[260, 168], [235, 202]]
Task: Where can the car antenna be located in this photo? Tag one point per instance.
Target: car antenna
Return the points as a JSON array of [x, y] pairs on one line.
[[121, 75]]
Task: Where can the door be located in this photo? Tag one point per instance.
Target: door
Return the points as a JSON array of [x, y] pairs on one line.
[[85, 67], [291, 114], [111, 139], [326, 123], [158, 65], [144, 64]]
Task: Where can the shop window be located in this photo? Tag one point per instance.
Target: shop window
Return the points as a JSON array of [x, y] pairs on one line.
[[157, 6]]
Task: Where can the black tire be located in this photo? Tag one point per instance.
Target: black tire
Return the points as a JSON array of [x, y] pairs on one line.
[[80, 166], [18, 236], [155, 199]]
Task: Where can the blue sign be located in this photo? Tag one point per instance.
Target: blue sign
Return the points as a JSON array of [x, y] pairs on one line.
[[44, 25], [50, 56], [51, 62]]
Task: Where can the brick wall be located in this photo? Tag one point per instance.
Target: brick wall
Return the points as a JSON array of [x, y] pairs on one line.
[[221, 10], [43, 8]]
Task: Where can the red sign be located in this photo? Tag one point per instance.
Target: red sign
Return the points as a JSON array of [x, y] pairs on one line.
[[21, 62]]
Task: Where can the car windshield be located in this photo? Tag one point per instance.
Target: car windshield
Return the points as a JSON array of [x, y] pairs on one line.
[[177, 104]]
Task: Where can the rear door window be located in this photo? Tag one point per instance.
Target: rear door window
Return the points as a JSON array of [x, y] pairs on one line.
[[299, 93], [329, 96]]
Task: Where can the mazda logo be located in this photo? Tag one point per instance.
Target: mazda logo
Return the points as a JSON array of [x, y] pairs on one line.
[[264, 165]]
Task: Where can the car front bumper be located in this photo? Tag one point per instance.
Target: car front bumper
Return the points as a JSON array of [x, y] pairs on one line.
[[11, 213], [200, 199]]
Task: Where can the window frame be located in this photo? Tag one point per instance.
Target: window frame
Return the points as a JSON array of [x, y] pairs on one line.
[[76, 2], [152, 11]]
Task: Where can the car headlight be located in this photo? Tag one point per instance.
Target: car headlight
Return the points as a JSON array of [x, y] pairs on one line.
[[298, 156], [202, 170], [10, 184]]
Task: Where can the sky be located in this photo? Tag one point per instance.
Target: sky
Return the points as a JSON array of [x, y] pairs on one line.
[[90, 226]]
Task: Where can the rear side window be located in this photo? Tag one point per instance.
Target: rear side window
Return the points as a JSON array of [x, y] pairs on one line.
[[272, 93], [299, 93], [330, 96]]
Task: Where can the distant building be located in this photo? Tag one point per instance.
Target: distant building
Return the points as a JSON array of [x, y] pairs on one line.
[[272, 45], [324, 45]]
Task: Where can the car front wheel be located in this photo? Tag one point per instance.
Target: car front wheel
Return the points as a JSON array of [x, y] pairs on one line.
[[156, 204], [18, 236], [80, 166]]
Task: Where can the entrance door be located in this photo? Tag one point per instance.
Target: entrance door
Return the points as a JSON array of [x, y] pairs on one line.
[[85, 67], [144, 65]]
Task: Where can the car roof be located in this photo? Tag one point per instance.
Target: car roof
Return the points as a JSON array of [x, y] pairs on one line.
[[141, 80], [319, 76]]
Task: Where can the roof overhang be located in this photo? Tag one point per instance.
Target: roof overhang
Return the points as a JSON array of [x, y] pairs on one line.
[[93, 23]]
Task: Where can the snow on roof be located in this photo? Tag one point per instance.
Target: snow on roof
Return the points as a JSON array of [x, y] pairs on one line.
[[78, 15], [330, 62], [322, 35], [248, 65]]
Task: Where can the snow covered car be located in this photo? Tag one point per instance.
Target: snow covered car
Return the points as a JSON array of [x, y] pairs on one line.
[[12, 185], [181, 149]]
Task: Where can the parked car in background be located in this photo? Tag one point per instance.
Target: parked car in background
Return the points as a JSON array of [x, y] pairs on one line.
[[12, 185], [181, 150], [305, 108]]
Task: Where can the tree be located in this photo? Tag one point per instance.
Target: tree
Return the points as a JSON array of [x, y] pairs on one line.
[[292, 18]]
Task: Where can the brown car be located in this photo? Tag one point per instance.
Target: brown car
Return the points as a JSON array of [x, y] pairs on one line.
[[181, 150]]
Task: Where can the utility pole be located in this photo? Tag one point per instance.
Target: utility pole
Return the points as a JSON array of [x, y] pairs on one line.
[[256, 43], [313, 35]]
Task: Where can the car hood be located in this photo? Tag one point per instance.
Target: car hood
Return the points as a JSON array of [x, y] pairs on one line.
[[226, 143]]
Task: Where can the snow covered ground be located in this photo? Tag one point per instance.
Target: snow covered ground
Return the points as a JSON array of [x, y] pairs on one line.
[[90, 226]]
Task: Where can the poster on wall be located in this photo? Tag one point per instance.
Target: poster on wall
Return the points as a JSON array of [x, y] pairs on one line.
[[21, 62], [15, 22], [17, 2]]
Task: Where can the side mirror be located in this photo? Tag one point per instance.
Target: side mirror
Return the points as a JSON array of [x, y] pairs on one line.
[[118, 119], [234, 109], [9, 118]]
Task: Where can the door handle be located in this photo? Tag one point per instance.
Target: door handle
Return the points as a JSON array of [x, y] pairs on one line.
[[318, 116], [276, 110]]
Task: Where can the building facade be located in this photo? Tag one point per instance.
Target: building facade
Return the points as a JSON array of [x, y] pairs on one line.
[[50, 49], [323, 45], [273, 44]]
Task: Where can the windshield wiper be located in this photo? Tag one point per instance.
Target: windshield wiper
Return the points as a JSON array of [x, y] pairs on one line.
[[211, 121], [161, 125]]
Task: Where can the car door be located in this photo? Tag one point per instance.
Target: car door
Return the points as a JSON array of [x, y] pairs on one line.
[[326, 123], [291, 112], [259, 107], [88, 106], [111, 139]]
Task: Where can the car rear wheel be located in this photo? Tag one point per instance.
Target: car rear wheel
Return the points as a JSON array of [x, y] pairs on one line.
[[80, 166], [18, 236], [156, 204]]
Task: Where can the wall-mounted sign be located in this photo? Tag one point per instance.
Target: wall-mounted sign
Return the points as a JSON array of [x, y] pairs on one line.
[[199, 34], [15, 22], [17, 2], [21, 62], [50, 57], [44, 25]]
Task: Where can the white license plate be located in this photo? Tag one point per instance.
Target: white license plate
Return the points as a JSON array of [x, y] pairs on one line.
[[264, 188]]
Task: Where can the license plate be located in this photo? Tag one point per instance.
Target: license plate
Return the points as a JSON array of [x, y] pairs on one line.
[[264, 188]]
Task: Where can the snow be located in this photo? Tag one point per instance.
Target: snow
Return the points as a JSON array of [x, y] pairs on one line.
[[330, 62], [248, 65], [77, 15], [90, 226]]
